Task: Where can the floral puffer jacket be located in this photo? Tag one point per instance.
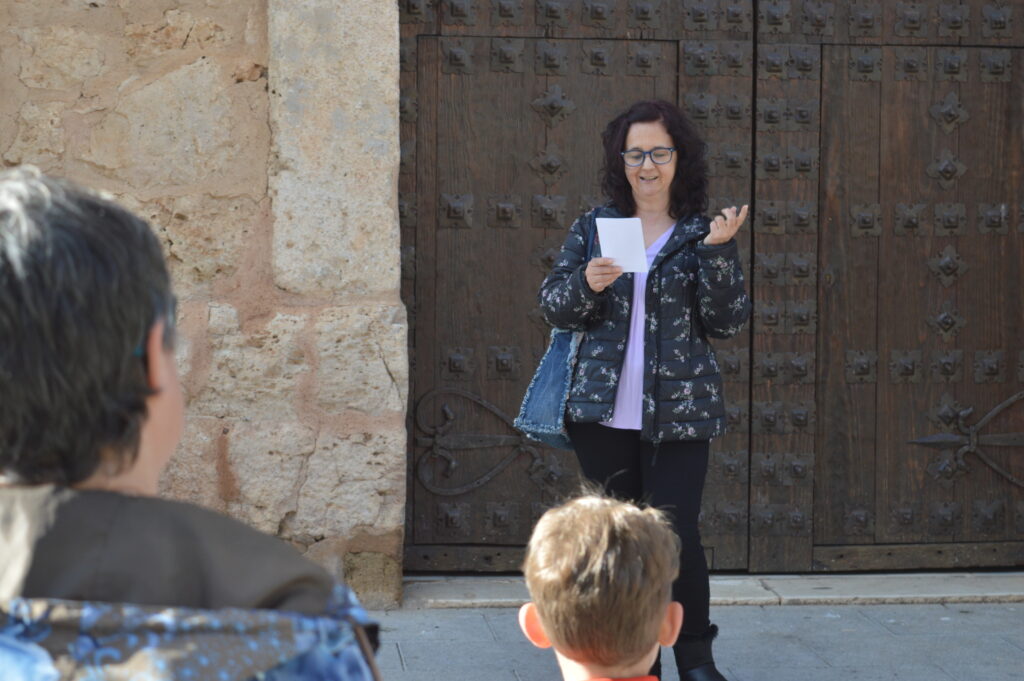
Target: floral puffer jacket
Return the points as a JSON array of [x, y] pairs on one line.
[[694, 292]]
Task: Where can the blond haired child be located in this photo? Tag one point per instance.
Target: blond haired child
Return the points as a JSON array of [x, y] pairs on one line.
[[600, 573]]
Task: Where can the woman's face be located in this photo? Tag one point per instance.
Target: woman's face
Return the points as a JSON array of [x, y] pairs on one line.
[[650, 181]]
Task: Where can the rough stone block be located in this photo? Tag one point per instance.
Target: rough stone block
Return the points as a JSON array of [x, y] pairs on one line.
[[204, 237], [192, 473], [194, 126], [254, 373], [59, 58], [176, 30], [40, 134], [267, 460], [375, 577], [363, 359], [354, 481], [334, 181]]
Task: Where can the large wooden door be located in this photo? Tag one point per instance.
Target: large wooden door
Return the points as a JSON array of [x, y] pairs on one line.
[[880, 146]]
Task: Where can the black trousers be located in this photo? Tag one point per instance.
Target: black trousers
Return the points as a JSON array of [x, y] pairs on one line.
[[672, 479]]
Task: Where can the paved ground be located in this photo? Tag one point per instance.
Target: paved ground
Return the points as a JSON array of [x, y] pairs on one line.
[[896, 641]]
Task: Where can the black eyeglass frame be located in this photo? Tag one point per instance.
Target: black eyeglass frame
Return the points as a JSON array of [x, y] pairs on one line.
[[645, 154]]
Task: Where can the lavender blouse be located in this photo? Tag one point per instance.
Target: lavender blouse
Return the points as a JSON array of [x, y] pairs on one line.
[[630, 393]]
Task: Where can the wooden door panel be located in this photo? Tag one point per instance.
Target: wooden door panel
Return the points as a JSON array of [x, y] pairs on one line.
[[849, 286], [783, 408], [718, 101], [515, 143]]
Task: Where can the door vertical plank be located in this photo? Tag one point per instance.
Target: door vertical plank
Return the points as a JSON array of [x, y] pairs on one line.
[[848, 279], [989, 292], [719, 104], [912, 505], [783, 409]]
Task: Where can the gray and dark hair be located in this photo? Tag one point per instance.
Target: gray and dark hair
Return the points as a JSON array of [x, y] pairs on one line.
[[82, 281]]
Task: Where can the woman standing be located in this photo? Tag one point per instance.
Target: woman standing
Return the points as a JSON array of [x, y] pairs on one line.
[[646, 395]]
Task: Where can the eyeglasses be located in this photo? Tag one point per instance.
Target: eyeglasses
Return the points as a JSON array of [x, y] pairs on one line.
[[659, 155]]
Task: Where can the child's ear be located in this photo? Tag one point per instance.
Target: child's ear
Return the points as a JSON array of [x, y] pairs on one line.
[[671, 624], [529, 622]]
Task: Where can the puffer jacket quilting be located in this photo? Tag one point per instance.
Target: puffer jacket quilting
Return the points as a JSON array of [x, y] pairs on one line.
[[693, 292]]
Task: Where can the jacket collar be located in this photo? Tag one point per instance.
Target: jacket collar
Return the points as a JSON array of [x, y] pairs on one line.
[[690, 228]]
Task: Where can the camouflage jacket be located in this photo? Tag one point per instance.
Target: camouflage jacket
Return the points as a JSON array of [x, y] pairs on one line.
[[693, 292]]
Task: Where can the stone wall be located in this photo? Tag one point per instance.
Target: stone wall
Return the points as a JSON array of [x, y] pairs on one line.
[[260, 138]]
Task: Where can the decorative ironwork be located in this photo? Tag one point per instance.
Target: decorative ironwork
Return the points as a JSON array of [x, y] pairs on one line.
[[553, 106], [503, 363], [861, 366], [987, 516], [951, 64], [506, 12], [911, 64], [911, 19], [943, 517], [995, 66], [551, 59], [735, 111], [736, 16], [950, 219], [969, 440], [866, 220], [703, 108], [407, 54], [866, 64], [769, 417], [778, 519], [947, 266], [947, 168], [954, 20], [905, 366], [598, 13], [444, 445], [548, 211], [819, 18], [644, 14], [774, 16], [736, 58], [733, 364], [731, 466], [768, 318], [551, 13], [857, 521], [415, 11], [908, 219], [700, 15], [507, 55], [949, 113], [456, 211], [993, 218], [773, 60], [549, 164], [803, 216], [944, 415], [996, 21], [459, 364], [597, 58], [947, 322], [408, 109], [643, 59], [865, 20], [460, 12], [948, 366], [458, 56], [804, 62], [701, 59], [989, 366], [504, 211]]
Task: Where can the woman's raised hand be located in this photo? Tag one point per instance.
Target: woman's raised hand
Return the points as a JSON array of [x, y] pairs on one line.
[[600, 273], [725, 226]]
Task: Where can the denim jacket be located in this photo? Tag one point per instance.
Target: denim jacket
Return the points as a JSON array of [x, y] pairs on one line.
[[694, 292]]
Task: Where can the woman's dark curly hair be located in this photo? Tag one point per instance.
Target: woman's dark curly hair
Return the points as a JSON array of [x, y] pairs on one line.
[[690, 184]]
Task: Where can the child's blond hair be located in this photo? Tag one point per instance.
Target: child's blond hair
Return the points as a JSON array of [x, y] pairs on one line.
[[600, 573]]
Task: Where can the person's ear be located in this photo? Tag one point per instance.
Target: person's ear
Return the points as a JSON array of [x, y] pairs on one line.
[[529, 622], [158, 364], [671, 624]]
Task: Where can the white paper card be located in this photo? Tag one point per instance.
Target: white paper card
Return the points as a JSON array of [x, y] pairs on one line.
[[622, 239]]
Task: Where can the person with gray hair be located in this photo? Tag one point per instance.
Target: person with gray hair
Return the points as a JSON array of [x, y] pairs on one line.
[[91, 410]]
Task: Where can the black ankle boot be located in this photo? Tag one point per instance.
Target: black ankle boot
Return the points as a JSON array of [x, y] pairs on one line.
[[693, 657]]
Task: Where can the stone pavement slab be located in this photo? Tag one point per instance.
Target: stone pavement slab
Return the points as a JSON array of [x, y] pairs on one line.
[[479, 591], [908, 642]]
